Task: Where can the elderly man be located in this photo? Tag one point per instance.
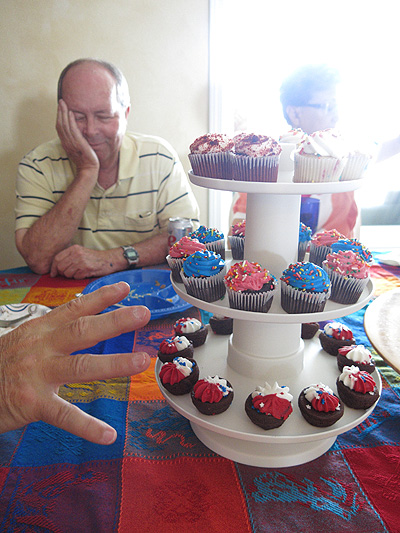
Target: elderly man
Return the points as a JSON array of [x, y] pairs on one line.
[[97, 199]]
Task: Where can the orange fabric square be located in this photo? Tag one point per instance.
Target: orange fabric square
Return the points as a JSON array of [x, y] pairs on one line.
[[144, 386], [187, 494]]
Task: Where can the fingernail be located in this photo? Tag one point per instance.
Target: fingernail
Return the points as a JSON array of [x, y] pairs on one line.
[[141, 360], [140, 312], [109, 436]]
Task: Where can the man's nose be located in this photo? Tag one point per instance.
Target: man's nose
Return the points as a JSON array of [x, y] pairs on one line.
[[90, 126]]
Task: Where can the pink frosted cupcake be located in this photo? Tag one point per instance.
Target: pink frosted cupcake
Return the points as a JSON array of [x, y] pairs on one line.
[[250, 287], [178, 252], [320, 245], [255, 158], [210, 156], [320, 158], [349, 275], [236, 240]]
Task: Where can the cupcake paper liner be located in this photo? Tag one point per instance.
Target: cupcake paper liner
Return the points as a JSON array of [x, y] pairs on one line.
[[175, 264], [264, 169], [216, 246], [315, 169], [355, 167], [301, 250], [296, 301], [209, 289], [216, 165], [237, 247], [318, 253], [258, 302], [345, 289]]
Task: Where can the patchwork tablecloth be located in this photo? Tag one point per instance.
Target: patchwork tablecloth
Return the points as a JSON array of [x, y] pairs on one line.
[[158, 476]]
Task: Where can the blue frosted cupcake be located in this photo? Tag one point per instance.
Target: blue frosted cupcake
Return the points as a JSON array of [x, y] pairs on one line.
[[213, 239], [305, 288], [203, 276], [355, 246], [304, 241]]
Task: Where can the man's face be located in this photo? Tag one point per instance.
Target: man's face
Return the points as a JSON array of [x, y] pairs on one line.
[[90, 93], [320, 113]]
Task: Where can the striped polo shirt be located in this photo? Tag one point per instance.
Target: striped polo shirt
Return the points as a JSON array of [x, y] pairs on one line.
[[152, 187]]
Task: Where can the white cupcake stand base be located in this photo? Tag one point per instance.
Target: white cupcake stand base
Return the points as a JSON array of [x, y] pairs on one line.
[[268, 346]]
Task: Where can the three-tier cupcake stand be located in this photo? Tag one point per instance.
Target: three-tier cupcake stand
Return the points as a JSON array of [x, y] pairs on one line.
[[268, 346]]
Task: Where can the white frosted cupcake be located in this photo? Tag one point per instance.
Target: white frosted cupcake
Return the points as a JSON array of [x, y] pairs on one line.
[[320, 158]]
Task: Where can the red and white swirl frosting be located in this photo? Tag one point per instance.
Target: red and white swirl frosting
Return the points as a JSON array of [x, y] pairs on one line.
[[211, 143], [185, 247], [357, 353], [357, 380], [187, 325], [176, 370], [347, 263], [338, 331], [254, 145], [321, 398], [211, 389], [177, 344], [274, 401]]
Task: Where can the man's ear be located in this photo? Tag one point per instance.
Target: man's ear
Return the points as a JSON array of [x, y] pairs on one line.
[[293, 112]]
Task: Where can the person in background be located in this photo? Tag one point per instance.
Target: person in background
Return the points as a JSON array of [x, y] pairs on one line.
[[97, 199], [35, 361], [309, 102]]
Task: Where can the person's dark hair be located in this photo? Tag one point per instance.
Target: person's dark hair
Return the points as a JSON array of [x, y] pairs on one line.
[[301, 85], [120, 81]]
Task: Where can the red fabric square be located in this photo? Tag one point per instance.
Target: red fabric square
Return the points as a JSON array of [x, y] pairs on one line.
[[378, 472], [3, 476], [186, 494]]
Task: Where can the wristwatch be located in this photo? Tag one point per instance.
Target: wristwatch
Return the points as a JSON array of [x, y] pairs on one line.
[[131, 255]]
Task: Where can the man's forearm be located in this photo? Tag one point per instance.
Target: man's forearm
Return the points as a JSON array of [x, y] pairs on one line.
[[54, 231]]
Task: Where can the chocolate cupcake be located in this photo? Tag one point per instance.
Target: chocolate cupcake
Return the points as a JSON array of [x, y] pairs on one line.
[[349, 275], [268, 407], [304, 241], [309, 330], [210, 156], [236, 240], [213, 240], [356, 355], [179, 375], [334, 336], [357, 388], [178, 252], [192, 329], [203, 276], [255, 158], [221, 325], [321, 244], [212, 395], [319, 405], [172, 347]]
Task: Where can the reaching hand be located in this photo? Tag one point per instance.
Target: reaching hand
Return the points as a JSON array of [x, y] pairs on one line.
[[35, 361], [74, 143]]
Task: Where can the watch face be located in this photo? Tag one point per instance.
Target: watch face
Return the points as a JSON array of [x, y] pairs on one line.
[[131, 255]]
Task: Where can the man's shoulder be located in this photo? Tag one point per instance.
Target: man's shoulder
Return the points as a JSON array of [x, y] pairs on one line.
[[50, 150], [150, 144]]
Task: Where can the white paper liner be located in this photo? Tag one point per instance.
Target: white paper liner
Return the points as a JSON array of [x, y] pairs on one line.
[[355, 167], [175, 264], [315, 169], [345, 289], [216, 246], [263, 169], [258, 302], [301, 250], [237, 246], [318, 253], [216, 165], [209, 289], [296, 301]]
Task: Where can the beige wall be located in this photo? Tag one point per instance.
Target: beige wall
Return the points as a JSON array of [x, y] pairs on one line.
[[161, 46]]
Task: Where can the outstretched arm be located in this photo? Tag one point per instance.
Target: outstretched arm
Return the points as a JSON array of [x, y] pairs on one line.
[[35, 361]]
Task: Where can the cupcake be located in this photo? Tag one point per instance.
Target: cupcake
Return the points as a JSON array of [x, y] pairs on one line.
[[255, 158], [321, 244], [210, 156], [203, 276], [349, 275], [212, 395], [321, 157], [178, 252], [179, 375], [356, 355], [309, 330], [355, 246], [305, 288], [334, 336], [221, 325], [304, 241], [356, 165], [250, 287], [170, 348], [288, 142], [357, 388], [236, 240], [192, 329], [320, 406], [268, 407], [213, 239]]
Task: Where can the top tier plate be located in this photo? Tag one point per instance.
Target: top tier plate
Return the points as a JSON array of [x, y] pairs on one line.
[[282, 186]]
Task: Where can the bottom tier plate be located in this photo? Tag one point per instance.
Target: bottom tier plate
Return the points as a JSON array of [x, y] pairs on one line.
[[232, 434]]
